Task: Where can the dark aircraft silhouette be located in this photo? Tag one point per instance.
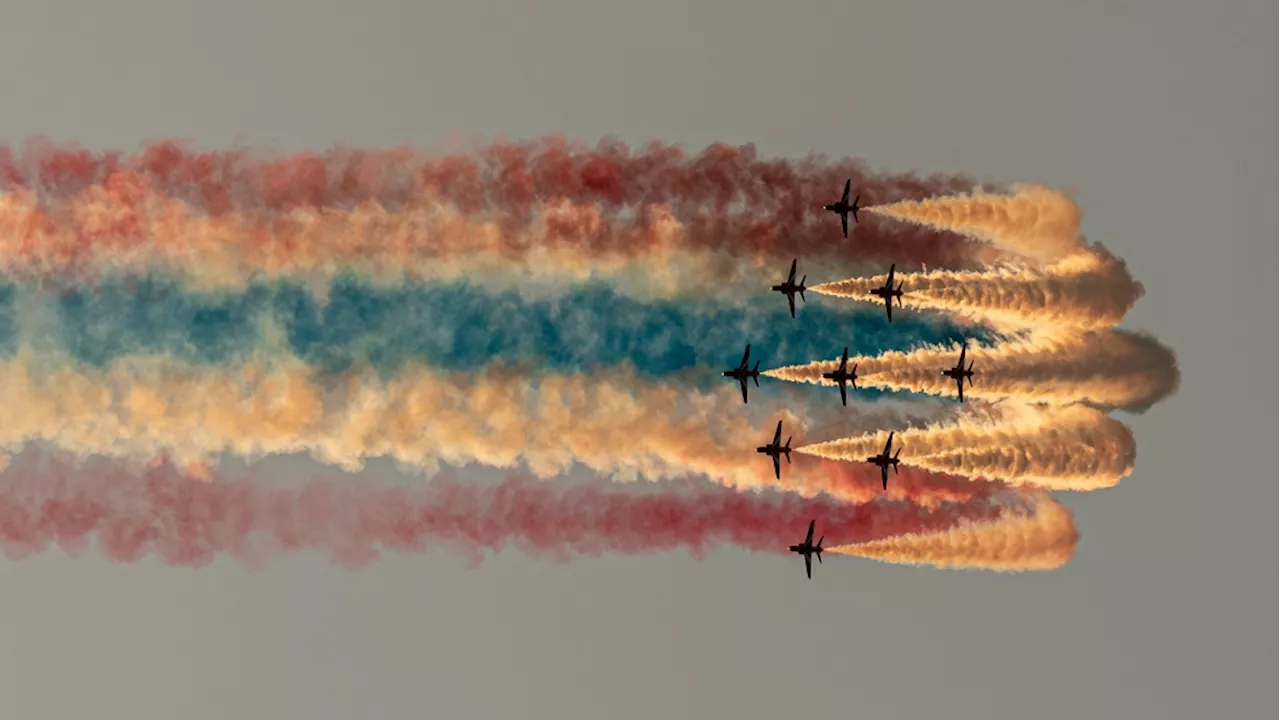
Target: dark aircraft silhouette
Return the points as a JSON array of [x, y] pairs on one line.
[[790, 288], [774, 449], [884, 461], [959, 373], [741, 373], [808, 550], [888, 292], [843, 375], [843, 208]]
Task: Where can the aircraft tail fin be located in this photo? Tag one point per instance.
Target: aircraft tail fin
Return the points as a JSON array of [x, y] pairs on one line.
[[899, 452]]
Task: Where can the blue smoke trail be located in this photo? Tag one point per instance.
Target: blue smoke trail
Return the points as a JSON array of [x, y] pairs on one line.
[[456, 326]]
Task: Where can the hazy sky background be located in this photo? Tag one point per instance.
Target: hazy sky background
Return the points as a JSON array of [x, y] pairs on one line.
[[1158, 115]]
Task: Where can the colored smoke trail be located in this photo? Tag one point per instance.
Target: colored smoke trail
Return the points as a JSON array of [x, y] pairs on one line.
[[544, 208], [1056, 280], [504, 178], [1035, 222], [1055, 448], [1108, 369], [1043, 540], [185, 523], [1089, 289], [267, 311], [612, 423], [450, 326]]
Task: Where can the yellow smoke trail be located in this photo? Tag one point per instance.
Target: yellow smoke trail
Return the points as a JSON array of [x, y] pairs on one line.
[[1057, 448], [139, 409], [1089, 289], [1035, 222], [1045, 540], [1110, 369]]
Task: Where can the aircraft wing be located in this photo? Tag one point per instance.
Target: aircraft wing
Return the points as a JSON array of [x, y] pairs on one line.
[[808, 566], [888, 307], [777, 469], [844, 221], [960, 385], [808, 539], [777, 435], [743, 382], [845, 197], [844, 399], [889, 282], [888, 445], [745, 355], [884, 477], [791, 276], [963, 349], [791, 301]]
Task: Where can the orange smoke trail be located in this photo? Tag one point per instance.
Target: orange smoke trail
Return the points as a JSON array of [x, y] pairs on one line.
[[1089, 289], [613, 423], [1045, 540], [1109, 369], [1035, 222], [1069, 448]]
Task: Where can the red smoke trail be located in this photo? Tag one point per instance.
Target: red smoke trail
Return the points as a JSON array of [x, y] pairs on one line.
[[189, 523], [729, 198], [860, 483]]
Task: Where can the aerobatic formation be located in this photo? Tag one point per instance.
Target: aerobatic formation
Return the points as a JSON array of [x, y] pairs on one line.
[[174, 321]]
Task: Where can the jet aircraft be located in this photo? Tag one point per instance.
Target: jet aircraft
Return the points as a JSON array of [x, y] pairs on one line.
[[808, 550], [884, 460], [843, 375], [959, 372], [775, 448], [843, 208], [888, 292], [741, 373], [790, 288]]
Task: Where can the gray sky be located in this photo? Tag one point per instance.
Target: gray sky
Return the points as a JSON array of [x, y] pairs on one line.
[[1157, 115]]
